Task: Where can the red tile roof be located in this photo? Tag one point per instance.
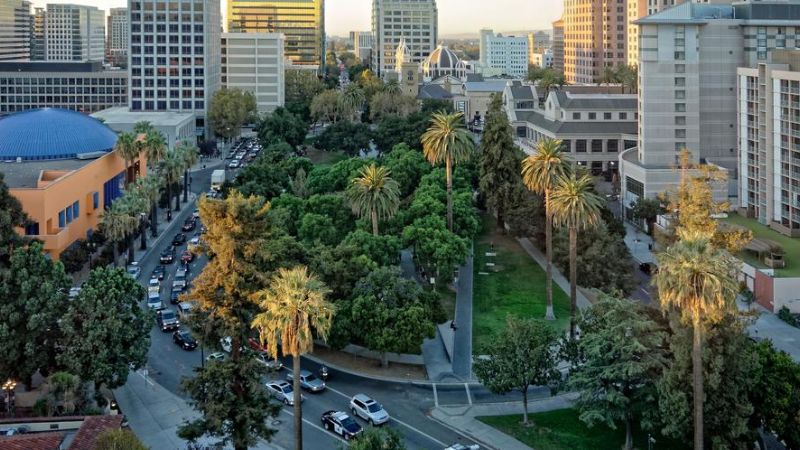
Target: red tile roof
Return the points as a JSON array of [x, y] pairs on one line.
[[93, 426], [35, 441]]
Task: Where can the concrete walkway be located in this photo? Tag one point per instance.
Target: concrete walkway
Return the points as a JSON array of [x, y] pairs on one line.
[[558, 278], [768, 326], [462, 340], [639, 244], [463, 419]]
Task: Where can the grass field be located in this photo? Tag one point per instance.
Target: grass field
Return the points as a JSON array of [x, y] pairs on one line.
[[515, 285], [790, 245], [562, 430]]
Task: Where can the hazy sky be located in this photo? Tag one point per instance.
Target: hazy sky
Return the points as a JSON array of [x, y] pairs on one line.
[[455, 16]]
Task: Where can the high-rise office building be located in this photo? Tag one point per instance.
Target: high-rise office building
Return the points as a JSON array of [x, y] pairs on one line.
[[638, 9], [74, 33], [503, 55], [37, 35], [558, 45], [254, 62], [538, 42], [174, 56], [15, 30], [302, 22], [117, 37], [416, 21], [595, 37], [362, 45]]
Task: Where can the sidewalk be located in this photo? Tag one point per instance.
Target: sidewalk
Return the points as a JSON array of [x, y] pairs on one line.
[[768, 326], [462, 419], [154, 414], [558, 278], [639, 244], [462, 338]]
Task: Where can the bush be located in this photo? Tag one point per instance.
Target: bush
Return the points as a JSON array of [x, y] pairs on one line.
[[787, 316], [76, 256]]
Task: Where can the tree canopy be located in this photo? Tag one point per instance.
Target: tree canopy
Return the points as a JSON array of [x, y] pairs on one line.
[[229, 110]]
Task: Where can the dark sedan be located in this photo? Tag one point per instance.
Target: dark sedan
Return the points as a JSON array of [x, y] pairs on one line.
[[184, 340], [179, 239], [189, 225], [168, 255], [159, 272]]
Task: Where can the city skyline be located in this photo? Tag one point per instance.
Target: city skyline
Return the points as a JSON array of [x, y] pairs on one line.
[[453, 17]]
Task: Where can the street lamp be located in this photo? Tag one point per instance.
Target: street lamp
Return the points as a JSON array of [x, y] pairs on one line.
[[8, 387], [143, 230]]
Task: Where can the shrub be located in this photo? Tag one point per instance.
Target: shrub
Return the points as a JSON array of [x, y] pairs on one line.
[[787, 316]]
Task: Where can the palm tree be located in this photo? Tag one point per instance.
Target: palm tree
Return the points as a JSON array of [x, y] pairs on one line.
[[374, 193], [351, 100], [155, 147], [292, 306], [575, 205], [134, 203], [609, 76], [695, 279], [170, 169], [189, 156], [392, 88], [117, 224], [143, 127], [447, 140], [148, 188], [127, 149], [540, 173]]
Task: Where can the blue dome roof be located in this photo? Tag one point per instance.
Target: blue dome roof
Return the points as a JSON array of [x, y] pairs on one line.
[[52, 133]]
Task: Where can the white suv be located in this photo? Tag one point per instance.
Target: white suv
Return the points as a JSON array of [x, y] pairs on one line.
[[368, 409]]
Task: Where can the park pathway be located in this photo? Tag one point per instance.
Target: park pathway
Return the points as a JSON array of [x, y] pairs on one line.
[[462, 343]]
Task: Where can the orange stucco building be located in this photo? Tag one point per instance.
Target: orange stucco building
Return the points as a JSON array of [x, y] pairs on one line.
[[61, 166]]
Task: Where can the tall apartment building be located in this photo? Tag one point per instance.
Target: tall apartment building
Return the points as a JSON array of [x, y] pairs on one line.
[[362, 45], [174, 56], [416, 21], [302, 22], [15, 30], [769, 141], [638, 9], [117, 39], [595, 37], [558, 45], [254, 62], [74, 33], [37, 35], [688, 61], [503, 55]]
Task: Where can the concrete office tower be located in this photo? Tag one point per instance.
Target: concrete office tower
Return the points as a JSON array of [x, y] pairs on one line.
[[503, 55], [538, 42], [638, 9], [253, 62], [558, 45], [362, 45], [174, 56], [415, 20], [15, 30], [37, 35], [594, 38], [302, 22], [74, 33], [117, 39]]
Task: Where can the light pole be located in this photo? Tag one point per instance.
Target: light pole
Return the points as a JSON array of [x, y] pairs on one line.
[[8, 387], [143, 230]]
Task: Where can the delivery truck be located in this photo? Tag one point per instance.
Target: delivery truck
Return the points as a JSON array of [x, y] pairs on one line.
[[217, 179]]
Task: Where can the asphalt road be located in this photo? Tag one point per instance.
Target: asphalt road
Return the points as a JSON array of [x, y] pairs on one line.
[[406, 403]]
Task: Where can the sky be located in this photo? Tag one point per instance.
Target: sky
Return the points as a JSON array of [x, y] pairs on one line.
[[455, 16]]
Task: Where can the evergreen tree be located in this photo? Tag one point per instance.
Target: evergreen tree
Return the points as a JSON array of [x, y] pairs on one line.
[[11, 217]]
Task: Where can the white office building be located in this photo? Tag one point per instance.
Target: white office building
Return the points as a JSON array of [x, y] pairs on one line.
[[543, 59], [174, 56], [362, 45], [74, 33], [254, 62], [503, 55], [15, 30], [118, 36], [392, 20]]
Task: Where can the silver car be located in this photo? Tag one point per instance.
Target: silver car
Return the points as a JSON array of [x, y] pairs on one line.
[[283, 391], [308, 381], [368, 409]]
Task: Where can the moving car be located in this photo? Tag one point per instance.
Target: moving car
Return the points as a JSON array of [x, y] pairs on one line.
[[154, 282], [368, 409], [154, 301], [179, 239], [168, 255], [134, 270], [175, 294], [282, 391], [340, 423], [159, 272], [187, 257], [73, 292], [235, 164], [194, 242], [189, 224], [184, 340], [184, 309], [167, 320], [271, 363], [458, 446], [308, 381]]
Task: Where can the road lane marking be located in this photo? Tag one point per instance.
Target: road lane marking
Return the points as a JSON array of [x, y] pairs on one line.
[[469, 397], [435, 396], [395, 419], [324, 431]]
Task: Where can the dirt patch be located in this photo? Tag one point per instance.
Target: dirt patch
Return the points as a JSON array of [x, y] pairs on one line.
[[366, 366]]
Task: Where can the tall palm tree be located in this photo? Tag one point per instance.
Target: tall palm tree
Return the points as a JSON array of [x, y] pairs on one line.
[[575, 205], [155, 147], [189, 156], [540, 173], [170, 169], [134, 203], [127, 149], [292, 306], [117, 224], [447, 140], [351, 100], [609, 76], [392, 88], [148, 188], [374, 193], [695, 279], [143, 127]]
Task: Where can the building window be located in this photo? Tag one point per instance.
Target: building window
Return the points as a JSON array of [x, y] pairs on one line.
[[597, 145], [680, 81], [680, 133], [580, 145], [76, 210], [62, 219], [680, 146], [680, 95], [680, 56], [635, 187], [623, 116], [576, 116], [607, 116], [566, 145], [612, 145], [680, 68], [95, 200], [69, 215], [680, 107], [32, 229], [680, 120], [592, 116]]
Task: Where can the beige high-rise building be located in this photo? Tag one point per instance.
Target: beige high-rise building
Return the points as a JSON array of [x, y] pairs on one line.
[[118, 32], [253, 62], [643, 8], [15, 30], [595, 37], [302, 22], [558, 45], [414, 21]]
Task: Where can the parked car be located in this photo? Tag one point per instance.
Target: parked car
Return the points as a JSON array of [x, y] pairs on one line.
[[179, 239], [159, 272], [216, 356], [308, 381], [154, 282], [458, 446], [271, 363], [184, 309], [340, 423], [235, 164], [175, 294], [154, 301], [189, 224], [282, 391], [194, 242], [368, 409], [73, 292], [167, 320], [184, 340], [168, 255], [648, 268], [187, 257], [134, 270]]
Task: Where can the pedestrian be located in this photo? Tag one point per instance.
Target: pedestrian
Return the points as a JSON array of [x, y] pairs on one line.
[[453, 325]]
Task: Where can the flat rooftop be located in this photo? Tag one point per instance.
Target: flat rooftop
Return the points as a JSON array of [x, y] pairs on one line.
[[123, 115], [26, 174], [791, 246]]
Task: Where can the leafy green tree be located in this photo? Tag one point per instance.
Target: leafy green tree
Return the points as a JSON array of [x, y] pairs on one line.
[[292, 309], [300, 87], [143, 126], [121, 439], [286, 212], [438, 249], [777, 394], [375, 194], [575, 206], [408, 166], [170, 169], [282, 126], [340, 267], [229, 110], [335, 207], [337, 178], [32, 297], [384, 249], [391, 317], [263, 177], [62, 387], [350, 138], [11, 217], [326, 106], [525, 354], [317, 229], [105, 332], [527, 217], [622, 357], [499, 162], [369, 83], [394, 130], [391, 103], [447, 141], [647, 209], [378, 439], [351, 102]]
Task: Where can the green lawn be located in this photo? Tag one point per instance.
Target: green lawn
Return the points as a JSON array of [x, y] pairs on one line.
[[515, 285], [562, 430], [790, 245]]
